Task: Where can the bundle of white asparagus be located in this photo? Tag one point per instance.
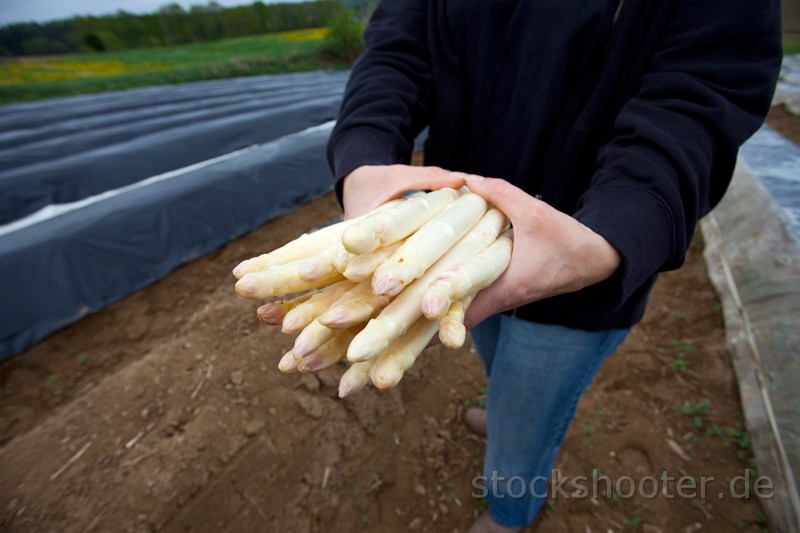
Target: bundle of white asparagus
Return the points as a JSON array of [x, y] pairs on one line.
[[374, 290]]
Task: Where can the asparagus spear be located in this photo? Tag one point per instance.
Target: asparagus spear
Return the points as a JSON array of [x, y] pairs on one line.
[[429, 243], [394, 224], [392, 363], [466, 278], [398, 316]]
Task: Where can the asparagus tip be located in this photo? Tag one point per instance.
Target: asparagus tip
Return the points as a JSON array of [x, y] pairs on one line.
[[453, 334], [247, 286], [434, 304], [271, 314], [386, 374], [359, 239], [288, 363]]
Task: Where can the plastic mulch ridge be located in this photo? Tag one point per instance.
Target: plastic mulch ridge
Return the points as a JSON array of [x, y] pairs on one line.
[[753, 255]]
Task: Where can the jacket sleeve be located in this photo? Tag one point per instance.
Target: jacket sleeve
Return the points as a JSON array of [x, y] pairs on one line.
[[384, 104], [674, 143]]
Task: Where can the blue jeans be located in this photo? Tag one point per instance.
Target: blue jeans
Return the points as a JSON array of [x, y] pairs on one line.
[[536, 375]]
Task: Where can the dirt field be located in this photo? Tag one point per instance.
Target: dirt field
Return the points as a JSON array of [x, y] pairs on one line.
[[165, 412]]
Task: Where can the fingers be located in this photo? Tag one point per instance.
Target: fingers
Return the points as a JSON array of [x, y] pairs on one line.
[[367, 187], [477, 312], [509, 199], [491, 300], [428, 178]]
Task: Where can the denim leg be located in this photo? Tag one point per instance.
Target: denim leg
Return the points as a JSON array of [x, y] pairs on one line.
[[485, 336], [538, 374]]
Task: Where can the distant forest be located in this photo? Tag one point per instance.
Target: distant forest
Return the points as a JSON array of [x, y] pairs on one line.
[[171, 24]]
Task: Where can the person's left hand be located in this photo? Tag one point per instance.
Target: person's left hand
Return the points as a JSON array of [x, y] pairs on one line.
[[553, 253], [369, 186]]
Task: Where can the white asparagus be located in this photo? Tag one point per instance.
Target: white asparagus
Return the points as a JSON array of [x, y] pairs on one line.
[[273, 313], [355, 378], [304, 313], [318, 265], [328, 354], [359, 306], [288, 363], [398, 316], [280, 280], [429, 243], [394, 361], [396, 223], [341, 257], [452, 331], [312, 337], [361, 267], [315, 334], [302, 247], [466, 278]]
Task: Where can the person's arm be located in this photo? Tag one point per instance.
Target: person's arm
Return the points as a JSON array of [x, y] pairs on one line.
[[708, 88], [553, 253], [384, 108], [385, 100], [669, 162]]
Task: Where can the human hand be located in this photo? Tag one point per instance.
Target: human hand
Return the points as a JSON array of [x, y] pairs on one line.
[[553, 253], [369, 186]]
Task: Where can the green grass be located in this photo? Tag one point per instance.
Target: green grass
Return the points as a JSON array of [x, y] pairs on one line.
[[696, 411], [791, 47], [33, 79]]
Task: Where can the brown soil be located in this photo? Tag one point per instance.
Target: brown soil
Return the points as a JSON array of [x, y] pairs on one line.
[[785, 122], [166, 412]]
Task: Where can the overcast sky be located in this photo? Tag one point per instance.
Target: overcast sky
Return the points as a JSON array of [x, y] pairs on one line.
[[44, 10]]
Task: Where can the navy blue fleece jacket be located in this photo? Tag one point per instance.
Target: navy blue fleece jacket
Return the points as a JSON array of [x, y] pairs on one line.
[[626, 115]]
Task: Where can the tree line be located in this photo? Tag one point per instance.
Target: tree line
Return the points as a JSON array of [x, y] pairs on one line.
[[171, 24]]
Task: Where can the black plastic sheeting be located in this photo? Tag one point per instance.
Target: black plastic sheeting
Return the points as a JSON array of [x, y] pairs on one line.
[[132, 226], [67, 150]]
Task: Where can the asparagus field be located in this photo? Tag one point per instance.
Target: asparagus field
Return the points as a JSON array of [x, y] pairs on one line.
[[164, 412]]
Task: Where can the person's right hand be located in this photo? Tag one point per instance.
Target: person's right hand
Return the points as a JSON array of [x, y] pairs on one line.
[[553, 252], [369, 186]]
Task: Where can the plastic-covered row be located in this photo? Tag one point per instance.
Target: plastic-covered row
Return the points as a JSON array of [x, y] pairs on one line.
[[85, 149], [132, 184]]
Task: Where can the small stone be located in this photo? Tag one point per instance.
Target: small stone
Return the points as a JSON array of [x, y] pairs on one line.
[[415, 524], [310, 382], [237, 377], [12, 505], [253, 428], [419, 489], [311, 406]]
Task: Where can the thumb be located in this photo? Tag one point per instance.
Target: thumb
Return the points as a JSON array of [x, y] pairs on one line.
[[500, 193]]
